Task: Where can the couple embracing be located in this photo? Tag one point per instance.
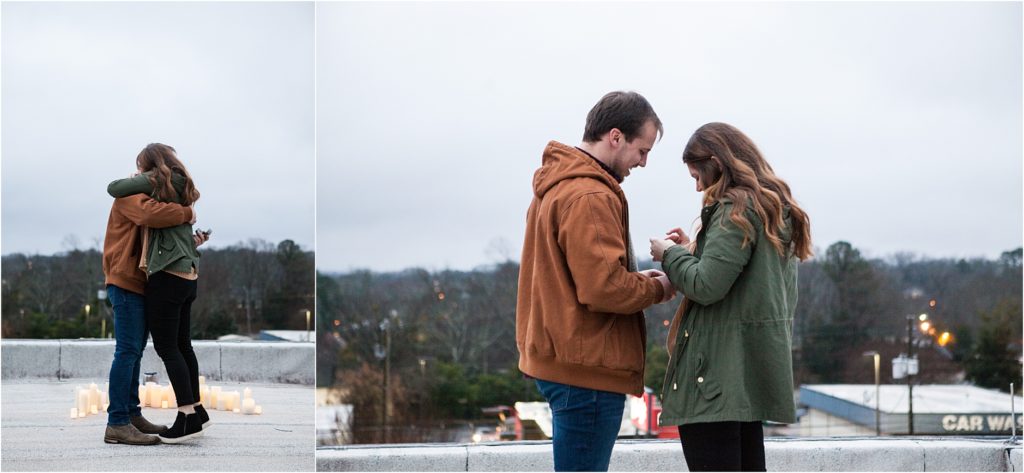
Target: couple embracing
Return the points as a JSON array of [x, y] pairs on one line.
[[150, 267], [580, 325]]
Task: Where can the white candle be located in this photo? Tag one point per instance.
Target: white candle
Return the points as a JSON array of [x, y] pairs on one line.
[[152, 390], [81, 414], [83, 402], [142, 395], [94, 409], [170, 396], [236, 410], [214, 394], [248, 405], [204, 396], [74, 412], [94, 395], [222, 402], [247, 393], [236, 400], [163, 404], [259, 409], [106, 406]]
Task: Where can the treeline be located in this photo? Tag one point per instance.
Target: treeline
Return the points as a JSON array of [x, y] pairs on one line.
[[452, 333], [243, 289]]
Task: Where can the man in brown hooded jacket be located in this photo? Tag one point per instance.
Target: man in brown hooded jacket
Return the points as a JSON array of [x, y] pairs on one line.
[[579, 316]]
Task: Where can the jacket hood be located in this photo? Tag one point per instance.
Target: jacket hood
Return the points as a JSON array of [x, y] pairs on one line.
[[561, 162]]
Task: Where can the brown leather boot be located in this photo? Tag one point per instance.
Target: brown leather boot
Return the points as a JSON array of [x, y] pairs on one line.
[[146, 427], [128, 434]]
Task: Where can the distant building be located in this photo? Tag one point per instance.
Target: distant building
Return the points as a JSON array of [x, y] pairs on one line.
[[287, 335], [849, 409]]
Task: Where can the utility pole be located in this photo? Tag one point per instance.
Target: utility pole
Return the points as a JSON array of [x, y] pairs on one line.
[[910, 384]]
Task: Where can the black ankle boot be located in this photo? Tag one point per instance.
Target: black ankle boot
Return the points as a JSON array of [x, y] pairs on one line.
[[204, 418], [185, 427]]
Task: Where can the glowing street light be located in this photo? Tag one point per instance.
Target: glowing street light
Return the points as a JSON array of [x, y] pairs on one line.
[[922, 317], [944, 339], [925, 326]]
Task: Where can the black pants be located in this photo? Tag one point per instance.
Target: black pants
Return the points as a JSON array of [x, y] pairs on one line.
[[723, 446], [168, 314]]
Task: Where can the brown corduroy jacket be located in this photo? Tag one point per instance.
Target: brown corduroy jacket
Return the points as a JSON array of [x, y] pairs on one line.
[[122, 245], [579, 313]]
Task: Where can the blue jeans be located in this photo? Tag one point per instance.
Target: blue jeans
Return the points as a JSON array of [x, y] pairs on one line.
[[130, 337], [585, 424]]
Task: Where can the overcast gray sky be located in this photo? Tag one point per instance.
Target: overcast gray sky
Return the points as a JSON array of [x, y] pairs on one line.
[[898, 125], [87, 85]]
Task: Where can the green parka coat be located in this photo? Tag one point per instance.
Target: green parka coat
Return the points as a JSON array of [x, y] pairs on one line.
[[731, 354]]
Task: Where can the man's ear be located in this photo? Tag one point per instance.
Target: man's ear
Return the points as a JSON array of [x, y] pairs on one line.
[[615, 137]]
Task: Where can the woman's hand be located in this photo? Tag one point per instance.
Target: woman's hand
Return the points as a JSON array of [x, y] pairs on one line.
[[678, 236], [659, 246], [199, 238]]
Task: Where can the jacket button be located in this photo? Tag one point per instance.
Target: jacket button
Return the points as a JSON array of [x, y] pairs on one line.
[[700, 379], [686, 334]]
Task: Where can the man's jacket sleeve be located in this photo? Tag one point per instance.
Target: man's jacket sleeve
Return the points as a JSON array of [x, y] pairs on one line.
[[146, 211], [590, 234]]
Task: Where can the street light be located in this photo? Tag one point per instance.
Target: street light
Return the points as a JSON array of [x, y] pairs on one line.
[[308, 313], [878, 382]]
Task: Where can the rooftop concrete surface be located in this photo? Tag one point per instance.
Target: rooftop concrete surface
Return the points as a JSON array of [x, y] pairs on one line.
[[259, 361], [37, 433], [802, 454]]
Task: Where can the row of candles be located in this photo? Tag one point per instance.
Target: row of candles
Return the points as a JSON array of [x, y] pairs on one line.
[[93, 401]]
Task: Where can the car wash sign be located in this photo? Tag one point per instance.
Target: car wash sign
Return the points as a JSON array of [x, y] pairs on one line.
[[977, 424]]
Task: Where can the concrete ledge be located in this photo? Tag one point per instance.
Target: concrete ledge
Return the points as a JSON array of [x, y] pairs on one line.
[[289, 365], [810, 454], [403, 458], [272, 362], [30, 359]]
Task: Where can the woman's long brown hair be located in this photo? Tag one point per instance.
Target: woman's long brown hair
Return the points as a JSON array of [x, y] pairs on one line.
[[162, 160], [730, 165]]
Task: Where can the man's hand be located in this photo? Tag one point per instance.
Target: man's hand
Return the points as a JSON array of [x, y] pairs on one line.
[[658, 247], [652, 273], [193, 221], [199, 238], [670, 292]]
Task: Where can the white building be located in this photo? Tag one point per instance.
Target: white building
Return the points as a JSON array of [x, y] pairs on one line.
[[849, 409]]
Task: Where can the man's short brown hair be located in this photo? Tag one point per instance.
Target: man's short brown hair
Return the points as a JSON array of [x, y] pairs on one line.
[[628, 111]]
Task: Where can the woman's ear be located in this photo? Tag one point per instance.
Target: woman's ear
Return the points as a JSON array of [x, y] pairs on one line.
[[718, 164]]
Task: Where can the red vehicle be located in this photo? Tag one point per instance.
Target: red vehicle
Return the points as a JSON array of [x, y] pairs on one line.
[[645, 408]]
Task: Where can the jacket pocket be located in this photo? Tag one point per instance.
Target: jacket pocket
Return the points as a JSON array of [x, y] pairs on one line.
[[707, 386], [620, 346]]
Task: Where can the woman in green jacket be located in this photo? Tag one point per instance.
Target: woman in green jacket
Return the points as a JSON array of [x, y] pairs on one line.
[[731, 364], [170, 260]]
